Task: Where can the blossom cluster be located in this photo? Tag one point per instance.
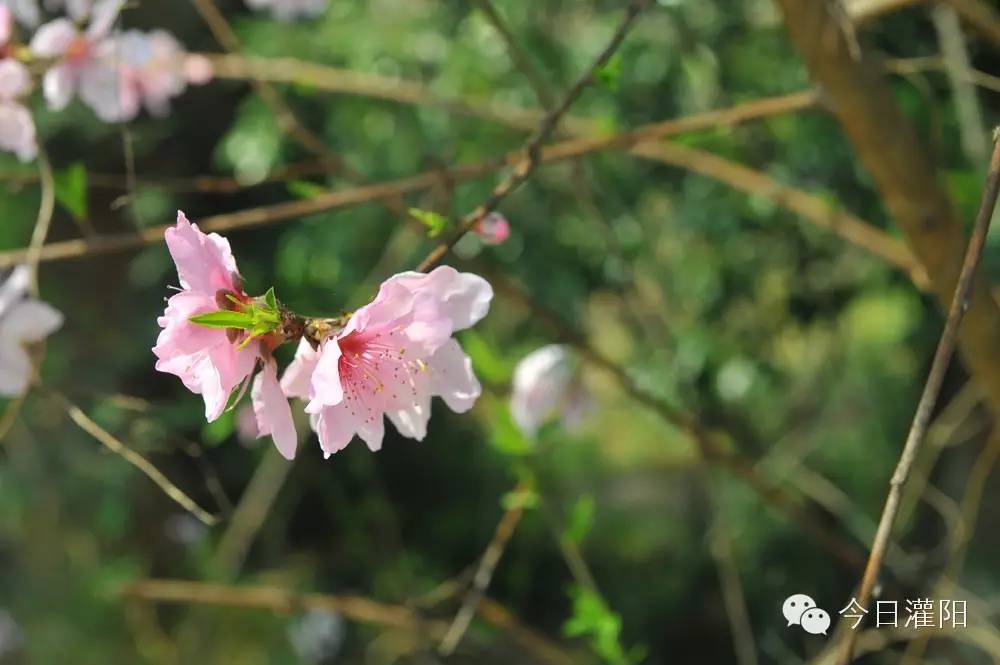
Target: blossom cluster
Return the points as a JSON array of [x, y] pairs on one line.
[[114, 72], [23, 321], [386, 359]]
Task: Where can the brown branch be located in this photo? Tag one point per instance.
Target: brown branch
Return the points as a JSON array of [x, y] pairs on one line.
[[483, 576], [355, 608], [925, 407], [533, 149], [889, 148], [980, 16], [862, 11], [812, 208], [287, 122], [569, 149], [709, 448]]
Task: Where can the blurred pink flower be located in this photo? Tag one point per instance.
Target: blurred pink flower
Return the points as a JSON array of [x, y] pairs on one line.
[[6, 26], [25, 11], [288, 10], [393, 355], [23, 320], [153, 69], [17, 128], [84, 62], [214, 362], [493, 229], [545, 386]]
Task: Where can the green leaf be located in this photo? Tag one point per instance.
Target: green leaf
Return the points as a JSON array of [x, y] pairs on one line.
[[303, 189], [71, 189], [220, 429], [435, 222], [506, 436], [224, 319], [594, 619], [581, 518], [610, 74], [271, 299]]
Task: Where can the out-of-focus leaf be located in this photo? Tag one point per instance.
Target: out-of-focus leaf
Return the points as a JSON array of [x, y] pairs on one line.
[[220, 429], [303, 189], [506, 437], [581, 518], [71, 189], [435, 222]]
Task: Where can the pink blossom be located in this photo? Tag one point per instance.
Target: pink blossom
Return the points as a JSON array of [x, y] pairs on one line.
[[23, 320], [6, 26], [17, 128], [206, 359], [214, 362], [85, 62], [493, 229], [393, 355], [288, 10], [153, 69], [546, 386]]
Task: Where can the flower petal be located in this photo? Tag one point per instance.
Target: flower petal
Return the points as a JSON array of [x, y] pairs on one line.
[[297, 378], [54, 38], [335, 427], [30, 321], [325, 389], [103, 17], [412, 421], [15, 370], [58, 86], [205, 262], [452, 377], [274, 416], [15, 79]]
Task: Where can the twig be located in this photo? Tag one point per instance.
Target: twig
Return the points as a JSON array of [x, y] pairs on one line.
[[83, 421], [980, 16], [533, 149], [955, 54], [251, 511], [935, 378], [355, 608], [287, 121], [934, 62], [569, 149], [44, 219], [812, 208], [484, 574], [521, 59]]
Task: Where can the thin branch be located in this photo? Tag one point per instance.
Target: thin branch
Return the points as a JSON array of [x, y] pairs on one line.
[[533, 149], [565, 150], [44, 219], [980, 16], [484, 574], [226, 36], [521, 59], [972, 130], [251, 511], [936, 63], [935, 378], [355, 608], [84, 422], [812, 208]]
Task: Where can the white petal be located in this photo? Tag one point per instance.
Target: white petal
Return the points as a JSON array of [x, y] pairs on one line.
[[58, 86], [53, 39], [15, 370], [14, 287], [297, 378], [412, 421], [30, 321], [103, 17], [452, 377]]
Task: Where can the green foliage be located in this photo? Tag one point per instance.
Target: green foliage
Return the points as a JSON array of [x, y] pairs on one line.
[[436, 223], [593, 619], [580, 520], [71, 189]]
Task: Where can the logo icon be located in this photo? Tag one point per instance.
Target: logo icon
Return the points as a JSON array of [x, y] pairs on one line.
[[801, 610]]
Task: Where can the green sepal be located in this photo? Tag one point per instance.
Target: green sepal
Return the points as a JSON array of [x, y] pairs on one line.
[[224, 319]]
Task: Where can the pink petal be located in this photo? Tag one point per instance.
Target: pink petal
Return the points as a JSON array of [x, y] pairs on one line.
[[412, 421], [198, 69], [325, 388], [6, 25], [452, 377], [103, 17], [296, 380], [205, 263], [274, 416], [335, 427], [464, 297], [15, 79], [54, 38], [17, 131], [103, 88]]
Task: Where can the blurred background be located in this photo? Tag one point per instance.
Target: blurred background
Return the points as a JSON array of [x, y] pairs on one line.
[[710, 283]]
